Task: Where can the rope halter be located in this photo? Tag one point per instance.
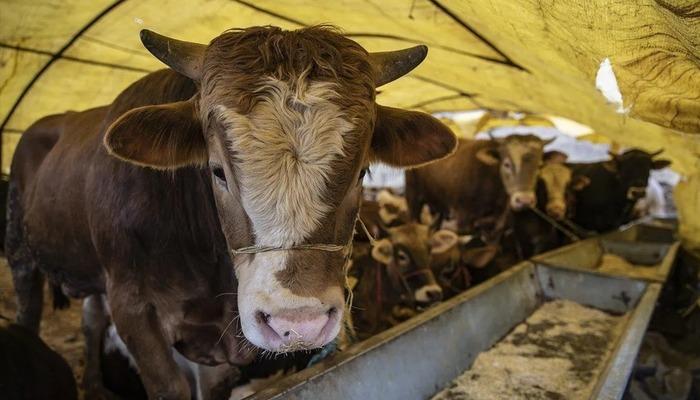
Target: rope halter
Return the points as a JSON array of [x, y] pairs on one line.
[[327, 247]]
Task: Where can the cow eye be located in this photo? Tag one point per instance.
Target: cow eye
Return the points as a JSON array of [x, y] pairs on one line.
[[219, 174], [363, 172], [402, 257], [507, 164]]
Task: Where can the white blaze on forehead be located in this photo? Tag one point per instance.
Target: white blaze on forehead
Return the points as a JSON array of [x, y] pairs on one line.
[[285, 149]]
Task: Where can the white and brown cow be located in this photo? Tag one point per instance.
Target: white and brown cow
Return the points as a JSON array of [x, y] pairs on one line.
[[226, 189]]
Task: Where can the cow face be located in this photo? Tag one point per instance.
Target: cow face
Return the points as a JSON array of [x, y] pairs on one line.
[[519, 158], [406, 255], [633, 168], [556, 177], [286, 123]]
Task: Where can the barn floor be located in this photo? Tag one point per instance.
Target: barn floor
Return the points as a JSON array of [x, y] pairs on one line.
[[60, 329]]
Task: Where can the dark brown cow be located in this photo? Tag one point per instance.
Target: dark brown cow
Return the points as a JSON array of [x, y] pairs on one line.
[[613, 188], [479, 183], [250, 162]]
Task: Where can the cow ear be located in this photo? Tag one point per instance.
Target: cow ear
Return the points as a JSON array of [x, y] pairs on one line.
[[479, 257], [660, 163], [166, 136], [579, 182], [443, 241], [488, 156], [410, 139], [383, 251]]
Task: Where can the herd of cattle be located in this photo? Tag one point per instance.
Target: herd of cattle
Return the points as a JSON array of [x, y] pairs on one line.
[[207, 215], [474, 214]]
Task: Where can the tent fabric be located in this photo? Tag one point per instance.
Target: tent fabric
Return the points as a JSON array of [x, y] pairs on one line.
[[533, 56]]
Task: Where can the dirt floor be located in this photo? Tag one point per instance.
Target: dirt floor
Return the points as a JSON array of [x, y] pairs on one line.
[[60, 329]]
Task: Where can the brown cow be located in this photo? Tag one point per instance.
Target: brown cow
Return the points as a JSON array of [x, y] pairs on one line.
[[479, 183], [249, 160], [456, 259], [393, 278], [533, 234]]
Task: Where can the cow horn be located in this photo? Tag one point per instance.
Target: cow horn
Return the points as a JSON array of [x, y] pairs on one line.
[[656, 153], [392, 65], [184, 57]]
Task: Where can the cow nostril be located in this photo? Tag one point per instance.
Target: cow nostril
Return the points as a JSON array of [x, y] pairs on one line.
[[286, 334], [331, 311], [263, 317]]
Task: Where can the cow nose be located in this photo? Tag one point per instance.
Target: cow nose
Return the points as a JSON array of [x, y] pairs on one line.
[[556, 210], [520, 200], [428, 294], [298, 329]]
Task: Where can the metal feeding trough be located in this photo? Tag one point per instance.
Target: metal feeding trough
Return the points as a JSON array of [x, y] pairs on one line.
[[420, 357], [642, 251]]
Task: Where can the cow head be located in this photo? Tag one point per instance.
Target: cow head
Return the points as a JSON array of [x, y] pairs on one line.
[[518, 158], [633, 168], [286, 124], [405, 252], [556, 177]]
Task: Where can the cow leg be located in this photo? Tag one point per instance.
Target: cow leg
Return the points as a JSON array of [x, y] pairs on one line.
[[94, 324], [140, 328], [26, 277], [29, 287]]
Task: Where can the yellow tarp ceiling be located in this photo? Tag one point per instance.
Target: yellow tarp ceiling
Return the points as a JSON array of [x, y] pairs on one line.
[[534, 56]]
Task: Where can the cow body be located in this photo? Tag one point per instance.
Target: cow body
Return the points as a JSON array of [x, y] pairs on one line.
[[460, 187], [90, 239], [479, 184], [216, 200]]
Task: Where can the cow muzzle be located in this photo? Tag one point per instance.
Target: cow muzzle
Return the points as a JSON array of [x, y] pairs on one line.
[[522, 200], [298, 329], [279, 315], [428, 294], [556, 209], [636, 192]]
